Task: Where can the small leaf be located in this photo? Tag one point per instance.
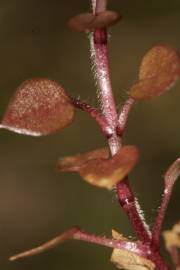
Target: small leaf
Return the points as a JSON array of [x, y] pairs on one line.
[[159, 70], [106, 19], [74, 163], [172, 173], [87, 22], [172, 237], [81, 22], [39, 107], [106, 173], [124, 259]]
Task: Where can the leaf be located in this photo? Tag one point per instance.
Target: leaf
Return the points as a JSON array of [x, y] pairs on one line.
[[106, 173], [39, 107], [87, 22], [74, 163], [127, 259], [172, 173], [159, 70], [172, 237]]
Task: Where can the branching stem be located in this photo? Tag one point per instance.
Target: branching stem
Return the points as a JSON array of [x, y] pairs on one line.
[[100, 52]]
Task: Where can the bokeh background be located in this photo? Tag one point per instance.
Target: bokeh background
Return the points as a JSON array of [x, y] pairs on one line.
[[37, 202]]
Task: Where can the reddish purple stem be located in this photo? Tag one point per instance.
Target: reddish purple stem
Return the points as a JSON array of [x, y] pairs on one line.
[[156, 232], [129, 204], [158, 261], [138, 248], [123, 117], [170, 178], [99, 118], [76, 234], [175, 257], [99, 41], [100, 52]]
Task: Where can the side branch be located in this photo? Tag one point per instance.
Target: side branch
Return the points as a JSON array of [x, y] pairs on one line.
[[76, 234], [123, 117], [170, 178], [99, 118]]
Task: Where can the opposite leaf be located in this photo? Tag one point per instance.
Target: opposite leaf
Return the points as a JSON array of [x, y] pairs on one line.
[[159, 70], [124, 259], [106, 173], [74, 163], [39, 107]]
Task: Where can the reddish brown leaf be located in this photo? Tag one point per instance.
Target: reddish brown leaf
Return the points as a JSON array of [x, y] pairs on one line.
[[106, 173], [87, 22], [159, 70], [81, 22], [74, 163], [39, 107], [106, 18]]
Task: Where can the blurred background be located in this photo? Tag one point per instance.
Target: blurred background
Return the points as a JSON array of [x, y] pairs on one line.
[[37, 202]]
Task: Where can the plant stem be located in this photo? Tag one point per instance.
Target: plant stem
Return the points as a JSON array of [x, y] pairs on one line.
[[76, 234], [175, 257], [170, 178], [159, 261], [139, 249], [99, 118], [130, 205], [123, 117], [100, 58], [159, 220], [99, 41]]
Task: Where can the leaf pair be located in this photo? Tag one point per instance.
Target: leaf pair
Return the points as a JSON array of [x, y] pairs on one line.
[[159, 70], [96, 169], [41, 106]]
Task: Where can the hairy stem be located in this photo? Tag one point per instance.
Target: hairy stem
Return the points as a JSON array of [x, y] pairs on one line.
[[175, 257], [99, 118], [170, 178], [159, 261], [156, 232], [100, 58], [76, 234], [123, 117], [130, 205]]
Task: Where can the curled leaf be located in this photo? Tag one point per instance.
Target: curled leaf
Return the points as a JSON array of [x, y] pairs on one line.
[[87, 22], [159, 70], [172, 237], [74, 163], [125, 259], [39, 107], [106, 173]]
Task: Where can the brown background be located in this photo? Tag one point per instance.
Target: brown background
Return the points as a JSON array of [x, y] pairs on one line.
[[36, 202]]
